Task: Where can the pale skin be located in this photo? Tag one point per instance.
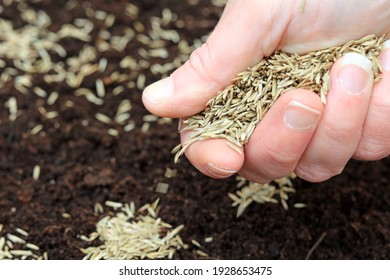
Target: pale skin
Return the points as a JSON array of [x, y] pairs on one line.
[[299, 134]]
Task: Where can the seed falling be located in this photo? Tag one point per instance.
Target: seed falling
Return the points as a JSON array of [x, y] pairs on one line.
[[235, 111], [261, 193], [162, 187]]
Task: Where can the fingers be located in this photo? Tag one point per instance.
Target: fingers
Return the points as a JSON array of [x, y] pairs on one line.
[[215, 157], [337, 136], [242, 37], [280, 139], [375, 141]]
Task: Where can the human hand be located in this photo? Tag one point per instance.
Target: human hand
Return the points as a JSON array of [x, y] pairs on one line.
[[297, 134]]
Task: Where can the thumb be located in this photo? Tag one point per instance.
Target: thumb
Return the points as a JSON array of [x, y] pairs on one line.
[[244, 34]]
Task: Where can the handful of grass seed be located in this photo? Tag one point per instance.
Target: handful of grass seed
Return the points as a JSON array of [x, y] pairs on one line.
[[235, 111]]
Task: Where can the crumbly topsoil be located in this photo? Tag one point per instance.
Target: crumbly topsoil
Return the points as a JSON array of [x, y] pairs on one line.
[[85, 159]]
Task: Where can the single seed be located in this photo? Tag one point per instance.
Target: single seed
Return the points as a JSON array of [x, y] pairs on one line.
[[103, 118], [32, 246], [145, 127], [299, 205], [100, 90], [129, 127], [66, 215], [162, 187], [40, 92], [113, 204], [208, 239], [202, 254], [36, 129], [149, 118], [196, 243], [15, 239], [21, 252], [22, 232], [113, 132]]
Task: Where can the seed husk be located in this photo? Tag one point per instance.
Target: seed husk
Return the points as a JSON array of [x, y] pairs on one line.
[[236, 110], [131, 235]]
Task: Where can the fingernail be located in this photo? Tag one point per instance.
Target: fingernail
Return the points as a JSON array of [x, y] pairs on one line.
[[301, 117], [218, 172], [159, 91], [355, 73], [385, 56]]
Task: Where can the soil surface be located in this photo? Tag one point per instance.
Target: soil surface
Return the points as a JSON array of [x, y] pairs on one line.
[[81, 163]]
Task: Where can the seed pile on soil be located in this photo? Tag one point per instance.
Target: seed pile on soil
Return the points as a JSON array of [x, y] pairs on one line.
[[74, 135]]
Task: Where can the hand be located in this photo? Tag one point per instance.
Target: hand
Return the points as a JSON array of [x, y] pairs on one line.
[[298, 133]]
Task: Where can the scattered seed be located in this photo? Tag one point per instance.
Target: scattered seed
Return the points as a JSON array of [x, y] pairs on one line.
[[202, 254], [12, 106], [149, 118], [98, 208], [141, 81], [21, 252], [113, 132], [113, 204], [36, 172], [208, 239], [145, 127], [36, 129], [100, 90], [299, 205], [103, 118], [196, 243], [103, 64], [122, 118], [22, 232], [162, 187], [118, 90], [110, 20], [15, 239], [2, 243], [40, 92], [32, 246], [66, 215], [170, 173], [129, 127]]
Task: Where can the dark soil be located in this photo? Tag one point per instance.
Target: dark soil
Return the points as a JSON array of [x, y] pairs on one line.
[[83, 164]]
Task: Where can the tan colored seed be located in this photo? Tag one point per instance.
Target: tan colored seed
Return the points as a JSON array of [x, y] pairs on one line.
[[36, 129], [36, 172], [113, 132], [21, 252], [15, 239], [32, 246], [162, 187], [202, 254], [196, 243], [103, 118], [66, 215], [113, 204], [208, 239], [22, 232]]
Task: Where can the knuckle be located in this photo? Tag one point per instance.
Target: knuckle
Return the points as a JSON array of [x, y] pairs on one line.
[[339, 131], [315, 173], [281, 160], [371, 149], [201, 63]]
